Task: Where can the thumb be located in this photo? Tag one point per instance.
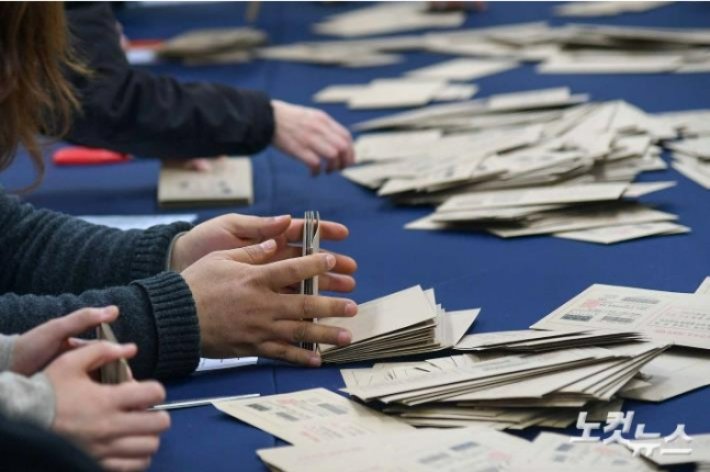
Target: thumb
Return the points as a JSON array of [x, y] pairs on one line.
[[99, 353], [255, 254]]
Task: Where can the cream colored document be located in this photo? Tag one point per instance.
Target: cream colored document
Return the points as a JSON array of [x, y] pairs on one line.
[[310, 416], [535, 196], [616, 234], [463, 69], [680, 318], [453, 450]]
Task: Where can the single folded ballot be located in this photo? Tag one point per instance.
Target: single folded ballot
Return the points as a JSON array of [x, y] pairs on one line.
[[313, 416], [227, 182], [403, 323]]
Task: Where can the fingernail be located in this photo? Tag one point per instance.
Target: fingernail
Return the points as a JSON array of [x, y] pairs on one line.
[[350, 309], [106, 312], [344, 338], [268, 245], [330, 261], [314, 360], [280, 218]]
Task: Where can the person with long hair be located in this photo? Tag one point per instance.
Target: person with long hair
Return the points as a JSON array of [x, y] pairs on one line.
[[221, 289]]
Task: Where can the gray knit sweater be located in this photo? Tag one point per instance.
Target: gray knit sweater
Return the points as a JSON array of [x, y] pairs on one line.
[[52, 264]]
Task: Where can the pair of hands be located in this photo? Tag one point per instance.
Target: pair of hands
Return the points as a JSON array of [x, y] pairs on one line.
[[107, 421], [244, 275], [308, 135]]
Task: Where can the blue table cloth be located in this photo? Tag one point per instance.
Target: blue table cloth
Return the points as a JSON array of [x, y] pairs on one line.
[[516, 282]]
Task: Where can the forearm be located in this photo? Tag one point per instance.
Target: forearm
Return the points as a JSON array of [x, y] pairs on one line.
[[44, 252], [135, 111], [157, 313]]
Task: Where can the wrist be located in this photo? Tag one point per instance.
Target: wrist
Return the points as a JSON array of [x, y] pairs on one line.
[[175, 261]]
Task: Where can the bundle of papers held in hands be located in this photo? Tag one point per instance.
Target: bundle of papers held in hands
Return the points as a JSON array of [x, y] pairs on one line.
[[520, 164], [117, 371], [403, 323]]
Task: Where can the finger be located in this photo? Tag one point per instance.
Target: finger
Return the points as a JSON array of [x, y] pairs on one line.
[[200, 165], [289, 353], [343, 264], [307, 331], [289, 271], [115, 464], [329, 230], [256, 227], [331, 282], [139, 423], [342, 145], [93, 356], [79, 322], [296, 307], [138, 395], [328, 152], [255, 254], [311, 160], [131, 447]]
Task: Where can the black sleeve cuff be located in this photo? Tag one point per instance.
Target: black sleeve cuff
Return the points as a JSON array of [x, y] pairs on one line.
[[177, 327]]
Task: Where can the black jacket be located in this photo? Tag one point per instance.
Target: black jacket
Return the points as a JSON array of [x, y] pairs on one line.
[[134, 111]]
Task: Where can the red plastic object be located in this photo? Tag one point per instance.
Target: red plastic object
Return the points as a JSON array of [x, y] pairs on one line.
[[78, 156]]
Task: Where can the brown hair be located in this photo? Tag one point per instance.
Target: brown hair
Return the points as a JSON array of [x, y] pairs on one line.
[[35, 97]]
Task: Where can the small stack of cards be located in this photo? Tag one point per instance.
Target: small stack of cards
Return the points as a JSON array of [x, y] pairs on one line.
[[311, 245], [227, 182], [404, 323]]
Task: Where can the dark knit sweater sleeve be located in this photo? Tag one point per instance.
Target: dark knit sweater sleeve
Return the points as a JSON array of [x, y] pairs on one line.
[[44, 252], [134, 111], [53, 264]]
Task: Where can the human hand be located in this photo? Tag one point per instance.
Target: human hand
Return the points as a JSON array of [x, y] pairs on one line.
[[242, 312], [108, 421], [33, 350], [311, 135], [234, 231]]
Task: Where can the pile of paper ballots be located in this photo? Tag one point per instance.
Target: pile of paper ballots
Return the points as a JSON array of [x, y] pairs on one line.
[[504, 389], [523, 163], [680, 318], [330, 432], [403, 323], [568, 49]]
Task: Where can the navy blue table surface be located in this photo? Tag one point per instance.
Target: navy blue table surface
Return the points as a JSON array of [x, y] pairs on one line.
[[515, 281]]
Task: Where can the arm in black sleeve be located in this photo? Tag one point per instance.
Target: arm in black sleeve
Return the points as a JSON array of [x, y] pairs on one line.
[[157, 313], [44, 252], [136, 112]]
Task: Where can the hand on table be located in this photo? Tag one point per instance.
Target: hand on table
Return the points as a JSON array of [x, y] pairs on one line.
[[312, 136], [235, 231], [242, 310], [110, 422]]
